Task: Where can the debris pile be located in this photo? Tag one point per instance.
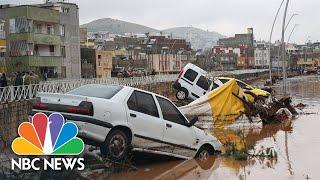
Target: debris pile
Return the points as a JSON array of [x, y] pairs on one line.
[[271, 111]]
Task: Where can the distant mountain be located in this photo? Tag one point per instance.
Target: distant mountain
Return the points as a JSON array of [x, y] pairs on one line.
[[200, 39], [116, 26]]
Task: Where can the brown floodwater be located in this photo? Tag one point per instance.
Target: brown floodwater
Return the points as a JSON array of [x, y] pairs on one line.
[[297, 144]]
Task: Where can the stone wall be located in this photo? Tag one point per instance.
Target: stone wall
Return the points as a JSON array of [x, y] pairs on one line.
[[11, 115]]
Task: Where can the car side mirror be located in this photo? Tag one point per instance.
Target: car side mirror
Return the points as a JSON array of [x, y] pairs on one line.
[[192, 121]]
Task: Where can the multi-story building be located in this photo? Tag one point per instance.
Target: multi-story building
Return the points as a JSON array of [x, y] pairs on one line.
[[104, 63], [83, 37], [239, 39], [242, 45], [261, 55], [96, 63], [225, 57], [43, 38], [3, 43], [226, 61]]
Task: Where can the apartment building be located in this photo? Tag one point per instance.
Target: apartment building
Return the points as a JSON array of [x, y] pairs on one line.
[[3, 43], [43, 38], [96, 63], [261, 55]]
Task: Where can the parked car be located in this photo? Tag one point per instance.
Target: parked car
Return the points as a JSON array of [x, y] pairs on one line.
[[117, 71], [250, 91], [138, 72], [192, 83], [119, 117]]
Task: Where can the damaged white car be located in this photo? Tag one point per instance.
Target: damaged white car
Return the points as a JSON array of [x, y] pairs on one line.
[[120, 118]]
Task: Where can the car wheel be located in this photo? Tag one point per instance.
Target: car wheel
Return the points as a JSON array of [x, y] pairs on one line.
[[181, 94], [204, 157], [116, 146]]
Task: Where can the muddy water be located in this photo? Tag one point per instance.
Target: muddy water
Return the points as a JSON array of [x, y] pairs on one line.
[[297, 144]]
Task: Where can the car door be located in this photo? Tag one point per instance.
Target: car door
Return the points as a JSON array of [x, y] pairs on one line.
[[202, 86], [179, 138], [145, 121]]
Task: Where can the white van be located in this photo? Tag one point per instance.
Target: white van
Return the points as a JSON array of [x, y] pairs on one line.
[[192, 83]]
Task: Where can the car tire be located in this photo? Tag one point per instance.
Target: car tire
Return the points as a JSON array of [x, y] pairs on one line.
[[204, 157], [182, 94], [116, 146]]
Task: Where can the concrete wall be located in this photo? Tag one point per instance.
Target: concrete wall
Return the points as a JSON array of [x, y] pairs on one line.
[[71, 40]]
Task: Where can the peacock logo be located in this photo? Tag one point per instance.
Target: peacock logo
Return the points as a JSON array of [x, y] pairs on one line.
[[48, 136]]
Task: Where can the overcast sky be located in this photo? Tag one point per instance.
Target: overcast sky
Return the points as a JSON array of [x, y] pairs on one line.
[[224, 16]]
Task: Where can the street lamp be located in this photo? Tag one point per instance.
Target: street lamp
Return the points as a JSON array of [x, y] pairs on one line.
[[284, 49], [274, 22], [294, 27], [293, 15]]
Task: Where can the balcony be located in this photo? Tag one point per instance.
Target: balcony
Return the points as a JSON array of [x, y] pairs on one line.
[[37, 61], [35, 13], [35, 38]]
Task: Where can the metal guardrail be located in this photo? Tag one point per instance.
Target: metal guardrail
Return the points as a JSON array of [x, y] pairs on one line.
[[17, 93]]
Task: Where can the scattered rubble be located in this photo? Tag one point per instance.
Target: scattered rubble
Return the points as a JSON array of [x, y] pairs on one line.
[[271, 110]]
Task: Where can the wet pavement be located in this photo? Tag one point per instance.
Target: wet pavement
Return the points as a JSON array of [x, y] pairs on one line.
[[296, 143]]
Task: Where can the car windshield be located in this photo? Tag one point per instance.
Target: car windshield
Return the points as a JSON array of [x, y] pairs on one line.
[[244, 85], [95, 90]]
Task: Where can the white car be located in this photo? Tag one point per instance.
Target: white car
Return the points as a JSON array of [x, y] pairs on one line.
[[117, 118]]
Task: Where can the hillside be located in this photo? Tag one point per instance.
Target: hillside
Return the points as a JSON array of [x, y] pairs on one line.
[[200, 39], [116, 26]]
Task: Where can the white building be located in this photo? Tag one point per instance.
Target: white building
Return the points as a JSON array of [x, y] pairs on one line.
[[261, 57]]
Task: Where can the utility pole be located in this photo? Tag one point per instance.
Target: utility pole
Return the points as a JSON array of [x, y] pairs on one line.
[[284, 49]]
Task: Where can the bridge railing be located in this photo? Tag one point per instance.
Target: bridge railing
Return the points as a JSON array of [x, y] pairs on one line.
[[17, 93]]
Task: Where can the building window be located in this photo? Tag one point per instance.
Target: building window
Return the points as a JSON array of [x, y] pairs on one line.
[[99, 56], [12, 25], [62, 30], [49, 29], [65, 10], [51, 48], [38, 28], [63, 51]]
